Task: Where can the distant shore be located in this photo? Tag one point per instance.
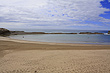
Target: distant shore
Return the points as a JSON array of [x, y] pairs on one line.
[[6, 32], [23, 32]]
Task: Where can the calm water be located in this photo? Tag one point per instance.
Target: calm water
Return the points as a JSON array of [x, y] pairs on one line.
[[66, 38]]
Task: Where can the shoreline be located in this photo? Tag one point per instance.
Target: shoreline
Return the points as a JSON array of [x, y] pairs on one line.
[[48, 43], [67, 39], [67, 45], [8, 44]]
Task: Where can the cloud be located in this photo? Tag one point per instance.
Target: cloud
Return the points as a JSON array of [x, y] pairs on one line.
[[51, 12]]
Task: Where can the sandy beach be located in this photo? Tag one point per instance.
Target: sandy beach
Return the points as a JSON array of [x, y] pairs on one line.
[[19, 56]]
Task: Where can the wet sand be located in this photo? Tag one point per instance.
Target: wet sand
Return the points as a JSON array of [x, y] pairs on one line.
[[18, 56]]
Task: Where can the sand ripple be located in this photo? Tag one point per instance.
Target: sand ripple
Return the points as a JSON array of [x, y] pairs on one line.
[[56, 61]]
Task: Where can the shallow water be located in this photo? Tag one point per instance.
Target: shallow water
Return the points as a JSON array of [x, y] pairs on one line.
[[66, 38]]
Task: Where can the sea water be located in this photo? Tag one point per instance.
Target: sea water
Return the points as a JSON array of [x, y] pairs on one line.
[[66, 38]]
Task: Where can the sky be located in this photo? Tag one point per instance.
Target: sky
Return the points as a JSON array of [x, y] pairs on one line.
[[55, 14]]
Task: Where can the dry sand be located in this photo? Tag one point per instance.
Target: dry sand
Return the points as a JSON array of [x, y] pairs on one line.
[[17, 56]]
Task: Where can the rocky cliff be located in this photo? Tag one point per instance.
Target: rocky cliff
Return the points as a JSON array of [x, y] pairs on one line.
[[108, 32], [90, 33], [4, 32]]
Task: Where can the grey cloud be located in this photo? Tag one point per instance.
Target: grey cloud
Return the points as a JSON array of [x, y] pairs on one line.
[[57, 12]]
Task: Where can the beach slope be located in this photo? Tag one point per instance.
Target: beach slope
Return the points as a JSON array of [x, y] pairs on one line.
[[18, 56]]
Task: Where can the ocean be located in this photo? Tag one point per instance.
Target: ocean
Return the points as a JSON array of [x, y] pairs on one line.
[[66, 38]]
